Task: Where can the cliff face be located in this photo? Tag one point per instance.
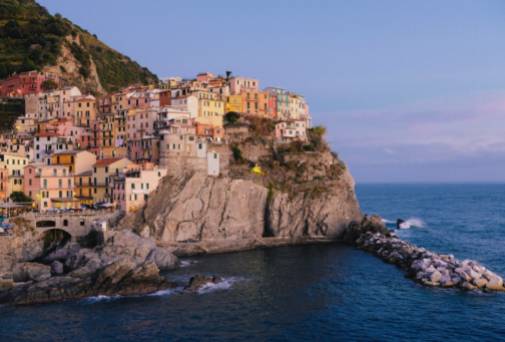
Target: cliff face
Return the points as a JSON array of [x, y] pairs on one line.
[[242, 210]]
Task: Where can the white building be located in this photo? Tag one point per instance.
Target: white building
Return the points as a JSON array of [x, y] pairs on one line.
[[133, 187], [239, 84]]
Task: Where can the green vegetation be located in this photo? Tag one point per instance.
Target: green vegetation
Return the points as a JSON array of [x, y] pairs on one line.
[[315, 135], [49, 85], [31, 39], [10, 109], [237, 154], [230, 118], [19, 197]]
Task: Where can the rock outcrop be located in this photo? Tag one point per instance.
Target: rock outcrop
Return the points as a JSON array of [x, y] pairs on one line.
[[126, 264], [426, 267], [198, 282], [308, 198]]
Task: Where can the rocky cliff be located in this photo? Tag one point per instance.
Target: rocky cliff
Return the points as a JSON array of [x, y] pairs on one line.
[[300, 195]]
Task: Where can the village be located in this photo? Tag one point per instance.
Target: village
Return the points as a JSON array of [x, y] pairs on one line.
[[73, 151]]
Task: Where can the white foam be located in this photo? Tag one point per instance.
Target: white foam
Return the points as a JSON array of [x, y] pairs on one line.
[[187, 263], [224, 284], [162, 293], [412, 222], [101, 298]]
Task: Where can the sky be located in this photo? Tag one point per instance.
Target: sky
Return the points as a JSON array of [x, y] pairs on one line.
[[410, 91]]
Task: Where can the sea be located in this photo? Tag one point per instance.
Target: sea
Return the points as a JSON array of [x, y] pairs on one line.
[[310, 293]]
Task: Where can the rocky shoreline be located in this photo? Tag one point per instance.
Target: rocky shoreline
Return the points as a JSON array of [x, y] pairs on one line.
[[123, 264], [423, 266], [126, 264]]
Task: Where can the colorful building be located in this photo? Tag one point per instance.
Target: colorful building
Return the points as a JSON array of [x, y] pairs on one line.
[[24, 83], [12, 168], [239, 84], [133, 187], [103, 171]]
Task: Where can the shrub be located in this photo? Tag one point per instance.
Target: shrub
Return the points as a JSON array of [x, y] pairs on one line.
[[19, 196], [315, 135], [230, 118], [237, 154], [49, 85]]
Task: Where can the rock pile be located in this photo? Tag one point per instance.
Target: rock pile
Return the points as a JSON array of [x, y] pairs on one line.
[[126, 264], [425, 267]]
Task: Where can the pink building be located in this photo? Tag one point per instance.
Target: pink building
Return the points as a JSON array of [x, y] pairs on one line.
[[141, 123], [22, 84], [31, 181], [132, 188], [205, 77]]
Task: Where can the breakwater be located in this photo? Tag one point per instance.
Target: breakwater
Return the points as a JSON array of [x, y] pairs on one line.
[[424, 266]]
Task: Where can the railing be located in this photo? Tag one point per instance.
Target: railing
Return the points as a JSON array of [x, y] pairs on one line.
[[87, 212]]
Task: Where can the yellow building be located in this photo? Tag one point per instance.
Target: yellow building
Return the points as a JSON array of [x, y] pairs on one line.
[[84, 110], [83, 187], [12, 166], [103, 171], [77, 161], [234, 104], [210, 110]]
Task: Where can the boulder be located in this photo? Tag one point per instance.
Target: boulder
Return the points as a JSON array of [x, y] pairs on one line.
[[127, 243], [435, 277], [30, 271], [446, 281], [480, 282], [163, 259], [198, 281], [57, 268], [495, 283], [113, 274], [467, 286], [6, 284]]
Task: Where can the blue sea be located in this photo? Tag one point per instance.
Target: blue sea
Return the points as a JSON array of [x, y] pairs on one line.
[[318, 292]]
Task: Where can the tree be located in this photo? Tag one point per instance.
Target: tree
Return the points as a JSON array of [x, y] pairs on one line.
[[315, 135], [12, 30], [19, 196], [49, 85], [230, 118]]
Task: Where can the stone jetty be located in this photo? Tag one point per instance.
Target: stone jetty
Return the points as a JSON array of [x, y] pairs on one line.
[[426, 267]]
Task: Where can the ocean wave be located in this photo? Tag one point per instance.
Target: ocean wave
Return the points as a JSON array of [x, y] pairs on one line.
[[100, 298], [225, 284], [162, 293], [187, 263], [413, 222]]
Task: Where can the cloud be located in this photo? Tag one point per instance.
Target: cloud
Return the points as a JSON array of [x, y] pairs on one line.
[[452, 131]]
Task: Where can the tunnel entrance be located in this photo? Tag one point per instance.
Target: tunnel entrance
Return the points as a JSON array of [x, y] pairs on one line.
[[53, 240]]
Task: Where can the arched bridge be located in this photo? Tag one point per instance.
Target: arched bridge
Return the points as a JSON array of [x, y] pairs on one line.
[[76, 224]]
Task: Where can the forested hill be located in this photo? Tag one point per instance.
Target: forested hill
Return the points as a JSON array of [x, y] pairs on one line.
[[33, 39]]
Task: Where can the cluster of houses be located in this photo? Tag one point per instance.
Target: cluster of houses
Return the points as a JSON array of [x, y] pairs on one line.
[[71, 150]]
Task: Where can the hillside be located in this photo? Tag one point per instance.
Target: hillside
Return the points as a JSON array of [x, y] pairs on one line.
[[31, 38]]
